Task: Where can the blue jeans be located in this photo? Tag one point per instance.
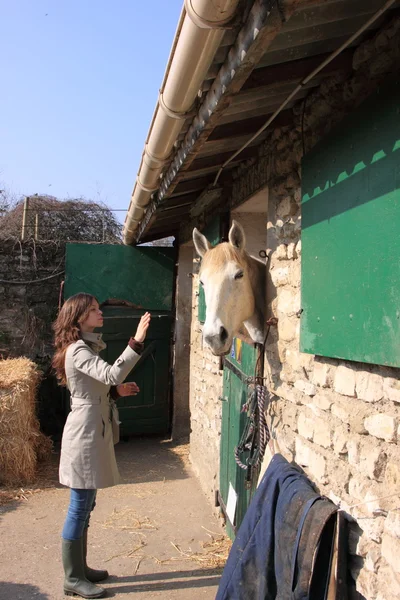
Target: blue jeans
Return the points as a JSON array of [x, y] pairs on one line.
[[81, 504]]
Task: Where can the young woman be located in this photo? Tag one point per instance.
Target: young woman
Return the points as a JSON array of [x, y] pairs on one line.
[[87, 449]]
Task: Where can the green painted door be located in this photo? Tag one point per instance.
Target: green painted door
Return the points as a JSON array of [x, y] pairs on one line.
[[148, 411], [131, 281], [350, 238], [240, 365]]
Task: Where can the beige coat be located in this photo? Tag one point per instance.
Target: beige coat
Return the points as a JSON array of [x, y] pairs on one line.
[[87, 447]]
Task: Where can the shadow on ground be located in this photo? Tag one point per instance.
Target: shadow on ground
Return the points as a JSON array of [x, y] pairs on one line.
[[167, 581], [14, 591], [138, 459]]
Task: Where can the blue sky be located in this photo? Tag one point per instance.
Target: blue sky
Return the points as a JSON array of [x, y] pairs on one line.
[[80, 80]]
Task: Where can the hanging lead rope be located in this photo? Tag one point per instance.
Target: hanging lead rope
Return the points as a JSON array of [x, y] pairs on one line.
[[256, 434]]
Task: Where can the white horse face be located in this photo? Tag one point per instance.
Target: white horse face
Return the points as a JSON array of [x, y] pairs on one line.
[[224, 276]]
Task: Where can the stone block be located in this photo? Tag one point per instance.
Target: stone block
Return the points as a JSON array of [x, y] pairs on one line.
[[361, 544], [339, 475], [287, 329], [357, 489], [291, 251], [372, 528], [392, 477], [280, 276], [353, 450], [373, 559], [367, 584], [288, 302], [322, 432], [344, 381], [287, 207], [289, 415], [340, 440], [369, 386], [391, 551], [352, 412], [306, 387], [321, 374], [323, 400], [298, 248], [389, 583], [306, 456], [281, 252], [382, 64], [299, 361], [391, 389], [288, 392], [382, 426], [392, 523], [287, 441], [305, 426], [372, 460]]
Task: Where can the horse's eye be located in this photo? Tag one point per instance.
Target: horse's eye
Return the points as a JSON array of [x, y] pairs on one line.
[[239, 275], [201, 283]]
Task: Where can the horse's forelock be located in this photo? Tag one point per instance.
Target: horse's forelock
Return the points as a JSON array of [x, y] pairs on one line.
[[218, 256]]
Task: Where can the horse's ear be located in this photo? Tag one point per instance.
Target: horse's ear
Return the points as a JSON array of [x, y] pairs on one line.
[[201, 243], [237, 237]]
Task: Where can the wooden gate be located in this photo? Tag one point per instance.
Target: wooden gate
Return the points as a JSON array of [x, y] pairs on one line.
[[131, 281], [236, 489]]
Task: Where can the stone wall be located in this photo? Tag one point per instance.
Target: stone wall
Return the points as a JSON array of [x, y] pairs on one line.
[[339, 420], [205, 406], [27, 309], [29, 304], [183, 317]]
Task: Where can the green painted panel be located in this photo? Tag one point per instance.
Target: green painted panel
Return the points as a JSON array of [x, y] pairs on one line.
[[350, 236], [148, 412], [145, 277], [213, 234], [243, 356], [142, 275], [235, 395]]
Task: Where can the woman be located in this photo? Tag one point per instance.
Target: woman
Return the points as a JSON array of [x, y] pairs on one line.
[[87, 449]]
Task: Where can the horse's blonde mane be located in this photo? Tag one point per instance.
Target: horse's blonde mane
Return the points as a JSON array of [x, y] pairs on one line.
[[223, 253]]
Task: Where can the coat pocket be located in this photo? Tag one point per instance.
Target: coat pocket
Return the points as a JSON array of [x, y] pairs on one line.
[[115, 422]]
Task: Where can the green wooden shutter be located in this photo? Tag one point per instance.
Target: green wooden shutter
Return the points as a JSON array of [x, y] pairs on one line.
[[350, 236]]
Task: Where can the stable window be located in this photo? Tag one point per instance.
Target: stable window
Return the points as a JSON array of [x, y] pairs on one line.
[[351, 236]]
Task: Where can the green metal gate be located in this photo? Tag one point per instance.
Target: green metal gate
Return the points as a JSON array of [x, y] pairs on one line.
[[131, 281], [235, 492]]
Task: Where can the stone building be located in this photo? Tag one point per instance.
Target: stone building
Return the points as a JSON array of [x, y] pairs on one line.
[[323, 159]]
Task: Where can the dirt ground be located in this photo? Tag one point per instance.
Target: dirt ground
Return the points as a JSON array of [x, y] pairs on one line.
[[156, 534]]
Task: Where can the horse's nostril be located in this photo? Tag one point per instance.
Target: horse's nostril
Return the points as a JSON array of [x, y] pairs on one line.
[[223, 334]]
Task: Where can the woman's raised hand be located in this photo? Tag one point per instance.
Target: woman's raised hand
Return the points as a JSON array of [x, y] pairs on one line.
[[143, 327]]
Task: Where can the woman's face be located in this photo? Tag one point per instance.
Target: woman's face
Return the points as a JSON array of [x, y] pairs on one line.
[[94, 319]]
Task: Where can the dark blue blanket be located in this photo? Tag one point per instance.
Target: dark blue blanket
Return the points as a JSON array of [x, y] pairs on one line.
[[273, 554]]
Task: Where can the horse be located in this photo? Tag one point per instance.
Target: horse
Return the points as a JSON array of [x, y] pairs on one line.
[[234, 288]]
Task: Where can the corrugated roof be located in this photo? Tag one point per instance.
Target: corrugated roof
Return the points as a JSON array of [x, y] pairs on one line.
[[305, 40]]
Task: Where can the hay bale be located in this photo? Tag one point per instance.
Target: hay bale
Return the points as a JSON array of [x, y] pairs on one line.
[[22, 444]]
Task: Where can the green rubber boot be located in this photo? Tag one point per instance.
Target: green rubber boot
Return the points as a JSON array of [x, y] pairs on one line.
[[75, 582], [93, 575]]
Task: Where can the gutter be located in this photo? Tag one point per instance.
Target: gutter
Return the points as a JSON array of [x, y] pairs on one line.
[[199, 34], [260, 12]]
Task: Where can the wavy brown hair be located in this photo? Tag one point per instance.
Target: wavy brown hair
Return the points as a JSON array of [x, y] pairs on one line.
[[67, 329]]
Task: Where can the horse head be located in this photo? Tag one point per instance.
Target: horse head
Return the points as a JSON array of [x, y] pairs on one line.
[[233, 288]]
